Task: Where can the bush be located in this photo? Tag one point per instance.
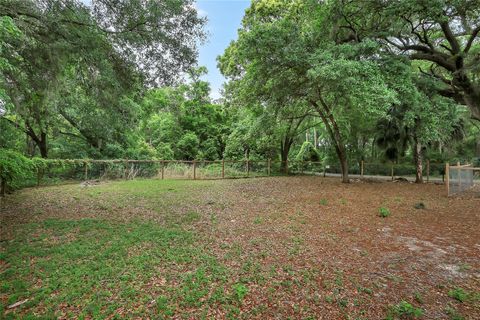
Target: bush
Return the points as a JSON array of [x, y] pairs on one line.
[[14, 170]]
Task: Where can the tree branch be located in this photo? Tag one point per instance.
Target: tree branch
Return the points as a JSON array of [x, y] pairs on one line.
[[450, 37], [471, 39]]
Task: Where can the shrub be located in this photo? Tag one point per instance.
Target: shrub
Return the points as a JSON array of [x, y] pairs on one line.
[[14, 169], [383, 212]]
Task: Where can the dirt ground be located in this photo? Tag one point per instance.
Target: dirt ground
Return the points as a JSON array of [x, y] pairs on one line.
[[320, 246]]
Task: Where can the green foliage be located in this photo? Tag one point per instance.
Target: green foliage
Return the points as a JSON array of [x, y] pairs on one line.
[[404, 310], [188, 145], [308, 152], [459, 294], [383, 212], [239, 291], [14, 168], [453, 314]]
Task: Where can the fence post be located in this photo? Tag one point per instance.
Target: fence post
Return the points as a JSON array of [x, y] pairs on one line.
[[223, 168], [459, 176], [447, 175], [163, 169], [428, 170], [361, 168], [268, 166], [194, 170], [392, 171], [248, 168], [86, 170]]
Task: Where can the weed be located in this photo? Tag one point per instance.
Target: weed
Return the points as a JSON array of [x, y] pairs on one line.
[[404, 310], [258, 220], [343, 303], [418, 297], [365, 290], [458, 294], [453, 313], [383, 212], [239, 291], [465, 267], [323, 202]]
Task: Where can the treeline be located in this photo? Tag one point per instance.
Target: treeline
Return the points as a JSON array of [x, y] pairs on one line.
[[337, 82], [399, 76]]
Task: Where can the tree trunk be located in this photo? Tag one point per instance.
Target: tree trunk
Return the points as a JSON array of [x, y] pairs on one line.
[[284, 151], [417, 156], [342, 156], [42, 145], [43, 149], [40, 141], [335, 135], [30, 146]]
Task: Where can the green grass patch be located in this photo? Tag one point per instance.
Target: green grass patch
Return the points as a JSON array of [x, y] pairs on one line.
[[99, 266]]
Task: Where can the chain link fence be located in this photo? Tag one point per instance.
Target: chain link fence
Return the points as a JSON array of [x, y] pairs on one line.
[[462, 179]]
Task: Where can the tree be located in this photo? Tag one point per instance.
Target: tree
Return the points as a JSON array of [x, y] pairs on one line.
[[98, 55], [182, 122], [421, 117], [285, 53], [442, 33]]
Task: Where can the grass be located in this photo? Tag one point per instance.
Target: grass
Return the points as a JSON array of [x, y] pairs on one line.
[[80, 262], [233, 249]]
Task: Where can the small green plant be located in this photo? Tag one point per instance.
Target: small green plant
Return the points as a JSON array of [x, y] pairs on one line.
[[458, 294], [453, 313], [323, 202], [383, 212], [239, 291], [418, 297], [258, 220], [404, 310]]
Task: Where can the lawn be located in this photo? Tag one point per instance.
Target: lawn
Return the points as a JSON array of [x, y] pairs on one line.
[[283, 247]]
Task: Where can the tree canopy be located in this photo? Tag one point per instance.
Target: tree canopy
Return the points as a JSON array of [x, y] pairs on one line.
[[339, 82]]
